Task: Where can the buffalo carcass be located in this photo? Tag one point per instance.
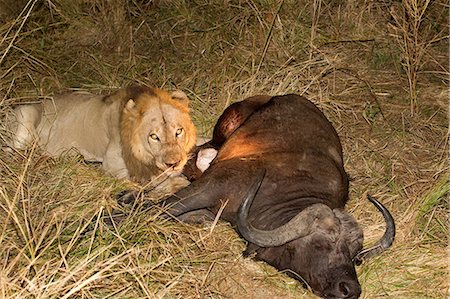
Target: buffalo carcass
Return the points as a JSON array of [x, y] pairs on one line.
[[280, 179]]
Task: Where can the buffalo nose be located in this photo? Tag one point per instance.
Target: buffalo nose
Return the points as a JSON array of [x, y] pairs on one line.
[[345, 289], [348, 289]]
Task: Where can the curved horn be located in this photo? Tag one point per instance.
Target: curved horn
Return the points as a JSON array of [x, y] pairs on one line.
[[301, 225], [386, 240]]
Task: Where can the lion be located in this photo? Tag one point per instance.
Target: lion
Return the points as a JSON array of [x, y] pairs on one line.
[[138, 133]]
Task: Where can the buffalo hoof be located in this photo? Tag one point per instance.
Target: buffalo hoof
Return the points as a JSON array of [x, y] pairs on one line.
[[129, 200], [115, 218], [127, 197]]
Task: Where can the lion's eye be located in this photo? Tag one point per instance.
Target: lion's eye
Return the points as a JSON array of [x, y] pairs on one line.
[[179, 132], [154, 137]]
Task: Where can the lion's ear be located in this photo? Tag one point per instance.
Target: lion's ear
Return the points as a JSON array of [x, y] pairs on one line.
[[181, 97], [130, 105]]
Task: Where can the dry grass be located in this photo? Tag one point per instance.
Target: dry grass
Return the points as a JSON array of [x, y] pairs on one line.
[[339, 54], [415, 30]]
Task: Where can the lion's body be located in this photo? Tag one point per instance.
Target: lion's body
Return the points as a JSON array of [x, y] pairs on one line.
[[114, 130]]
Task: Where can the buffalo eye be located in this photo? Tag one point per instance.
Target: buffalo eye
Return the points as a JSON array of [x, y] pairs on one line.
[[322, 245], [179, 132], [153, 137]]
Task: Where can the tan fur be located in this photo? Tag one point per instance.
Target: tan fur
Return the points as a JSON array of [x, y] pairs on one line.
[[114, 130]]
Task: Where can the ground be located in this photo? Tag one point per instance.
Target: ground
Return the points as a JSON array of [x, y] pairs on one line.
[[378, 70]]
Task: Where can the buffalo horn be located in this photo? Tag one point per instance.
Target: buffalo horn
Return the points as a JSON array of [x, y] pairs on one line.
[[301, 225], [386, 240]]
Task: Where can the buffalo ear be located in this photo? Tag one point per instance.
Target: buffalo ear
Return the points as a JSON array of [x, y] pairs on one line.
[[181, 97], [351, 230]]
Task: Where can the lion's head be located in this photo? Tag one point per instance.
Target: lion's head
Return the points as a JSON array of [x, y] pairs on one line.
[[156, 131]]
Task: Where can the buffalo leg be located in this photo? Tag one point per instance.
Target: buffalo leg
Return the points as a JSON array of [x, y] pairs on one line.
[[206, 193], [199, 195], [197, 217], [194, 197]]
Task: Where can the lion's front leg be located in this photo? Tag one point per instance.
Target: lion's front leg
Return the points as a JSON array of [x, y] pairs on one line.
[[113, 162], [27, 118]]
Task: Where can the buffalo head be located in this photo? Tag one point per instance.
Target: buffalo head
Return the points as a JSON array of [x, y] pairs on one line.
[[318, 247]]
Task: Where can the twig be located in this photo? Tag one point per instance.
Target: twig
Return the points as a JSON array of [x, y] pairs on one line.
[[20, 28], [369, 87], [269, 37], [347, 41]]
